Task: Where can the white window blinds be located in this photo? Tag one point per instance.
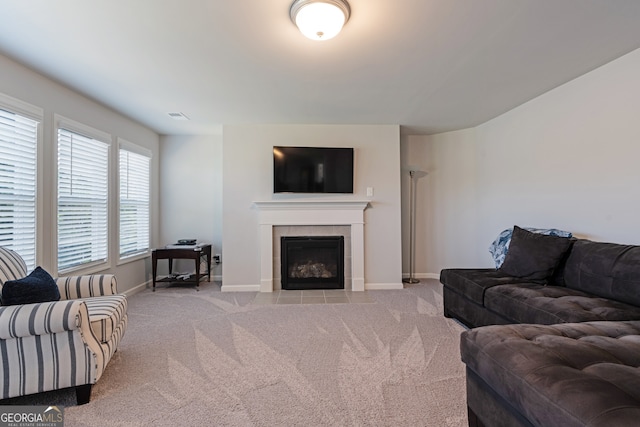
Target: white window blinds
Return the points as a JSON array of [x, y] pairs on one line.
[[82, 200], [135, 224], [18, 144]]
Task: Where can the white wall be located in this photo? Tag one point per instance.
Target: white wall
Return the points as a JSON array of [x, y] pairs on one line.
[[191, 197], [413, 156], [446, 200], [248, 175], [567, 159], [19, 82]]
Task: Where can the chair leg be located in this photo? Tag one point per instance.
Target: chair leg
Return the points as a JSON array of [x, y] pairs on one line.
[[83, 393]]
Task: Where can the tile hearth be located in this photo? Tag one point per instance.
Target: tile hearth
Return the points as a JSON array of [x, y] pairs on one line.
[[315, 296]]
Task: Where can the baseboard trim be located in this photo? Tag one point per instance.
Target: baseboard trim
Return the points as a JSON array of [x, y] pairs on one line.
[[256, 288], [382, 286], [149, 284], [137, 289], [435, 276], [240, 288]]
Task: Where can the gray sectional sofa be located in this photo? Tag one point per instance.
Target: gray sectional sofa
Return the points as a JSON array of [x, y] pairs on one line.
[[564, 345]]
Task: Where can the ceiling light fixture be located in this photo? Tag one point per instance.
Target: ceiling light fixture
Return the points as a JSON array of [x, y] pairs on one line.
[[178, 116], [320, 19]]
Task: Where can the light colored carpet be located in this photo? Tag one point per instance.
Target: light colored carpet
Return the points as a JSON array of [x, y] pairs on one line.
[[210, 358]]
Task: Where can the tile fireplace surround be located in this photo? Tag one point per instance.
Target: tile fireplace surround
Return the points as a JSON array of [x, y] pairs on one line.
[[311, 213]]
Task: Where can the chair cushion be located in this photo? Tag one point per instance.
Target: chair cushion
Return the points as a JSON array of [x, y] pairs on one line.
[[572, 374], [554, 304], [38, 286], [105, 314]]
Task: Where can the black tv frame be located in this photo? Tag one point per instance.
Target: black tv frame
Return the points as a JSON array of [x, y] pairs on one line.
[[313, 170]]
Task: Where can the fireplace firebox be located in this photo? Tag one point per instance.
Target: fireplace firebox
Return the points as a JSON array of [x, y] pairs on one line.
[[312, 262]]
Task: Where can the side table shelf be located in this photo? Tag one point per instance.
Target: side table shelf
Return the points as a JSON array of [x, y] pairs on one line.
[[171, 252]]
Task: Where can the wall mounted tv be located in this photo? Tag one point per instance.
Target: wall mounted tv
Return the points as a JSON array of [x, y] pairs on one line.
[[312, 170]]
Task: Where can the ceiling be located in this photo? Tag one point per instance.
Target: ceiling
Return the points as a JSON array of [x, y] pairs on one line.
[[427, 65]]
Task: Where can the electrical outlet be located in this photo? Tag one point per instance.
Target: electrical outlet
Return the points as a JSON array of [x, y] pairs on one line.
[[217, 258]]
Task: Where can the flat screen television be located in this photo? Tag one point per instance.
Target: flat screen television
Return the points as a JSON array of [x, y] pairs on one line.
[[312, 170]]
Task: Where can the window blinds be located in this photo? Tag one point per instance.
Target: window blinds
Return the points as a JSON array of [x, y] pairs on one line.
[[134, 203], [82, 199], [18, 144]]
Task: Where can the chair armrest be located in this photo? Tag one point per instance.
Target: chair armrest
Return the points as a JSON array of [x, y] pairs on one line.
[[87, 286], [41, 318]]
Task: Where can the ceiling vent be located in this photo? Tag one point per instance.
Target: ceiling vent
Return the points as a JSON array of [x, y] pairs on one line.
[[178, 116]]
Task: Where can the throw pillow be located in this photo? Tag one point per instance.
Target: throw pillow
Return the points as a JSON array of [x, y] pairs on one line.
[[500, 246], [38, 286], [534, 256]]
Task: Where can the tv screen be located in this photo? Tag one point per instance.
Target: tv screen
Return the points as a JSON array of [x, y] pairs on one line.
[[312, 170]]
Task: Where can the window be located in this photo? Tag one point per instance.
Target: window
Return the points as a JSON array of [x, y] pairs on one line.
[[19, 124], [82, 198], [135, 169]]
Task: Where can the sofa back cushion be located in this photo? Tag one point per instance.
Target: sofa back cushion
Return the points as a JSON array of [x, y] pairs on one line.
[[12, 266], [607, 270]]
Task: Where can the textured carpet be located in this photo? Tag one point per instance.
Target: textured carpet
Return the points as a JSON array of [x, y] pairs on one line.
[[212, 358]]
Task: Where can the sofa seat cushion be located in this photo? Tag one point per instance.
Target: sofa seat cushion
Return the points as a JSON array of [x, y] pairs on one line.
[[554, 304], [105, 314], [574, 374], [473, 282]]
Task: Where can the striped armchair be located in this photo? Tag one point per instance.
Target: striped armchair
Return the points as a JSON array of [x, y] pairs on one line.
[[60, 344]]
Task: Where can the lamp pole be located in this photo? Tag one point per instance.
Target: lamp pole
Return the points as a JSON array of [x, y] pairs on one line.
[[412, 229]]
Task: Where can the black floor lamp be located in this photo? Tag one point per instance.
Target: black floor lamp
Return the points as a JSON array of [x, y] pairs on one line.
[[415, 174]]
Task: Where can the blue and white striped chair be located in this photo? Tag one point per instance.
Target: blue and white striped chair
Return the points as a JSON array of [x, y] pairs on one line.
[[54, 345]]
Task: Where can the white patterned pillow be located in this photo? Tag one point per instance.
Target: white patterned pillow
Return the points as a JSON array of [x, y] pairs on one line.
[[500, 246]]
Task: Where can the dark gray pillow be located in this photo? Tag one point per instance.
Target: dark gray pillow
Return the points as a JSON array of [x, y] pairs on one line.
[[534, 256], [38, 286]]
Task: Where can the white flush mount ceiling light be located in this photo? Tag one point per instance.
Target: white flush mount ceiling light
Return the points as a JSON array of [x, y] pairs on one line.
[[320, 19], [178, 116]]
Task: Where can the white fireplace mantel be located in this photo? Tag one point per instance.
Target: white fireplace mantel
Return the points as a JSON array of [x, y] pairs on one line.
[[311, 212]]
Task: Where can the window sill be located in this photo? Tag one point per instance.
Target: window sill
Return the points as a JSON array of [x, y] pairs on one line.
[[133, 258], [85, 270]]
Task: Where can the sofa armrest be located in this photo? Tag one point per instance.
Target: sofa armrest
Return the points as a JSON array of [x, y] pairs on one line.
[[41, 319], [87, 286]]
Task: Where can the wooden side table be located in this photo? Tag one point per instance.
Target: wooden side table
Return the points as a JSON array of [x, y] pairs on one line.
[[171, 252]]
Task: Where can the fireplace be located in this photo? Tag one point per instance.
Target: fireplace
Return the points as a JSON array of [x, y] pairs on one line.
[[312, 262], [316, 213]]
